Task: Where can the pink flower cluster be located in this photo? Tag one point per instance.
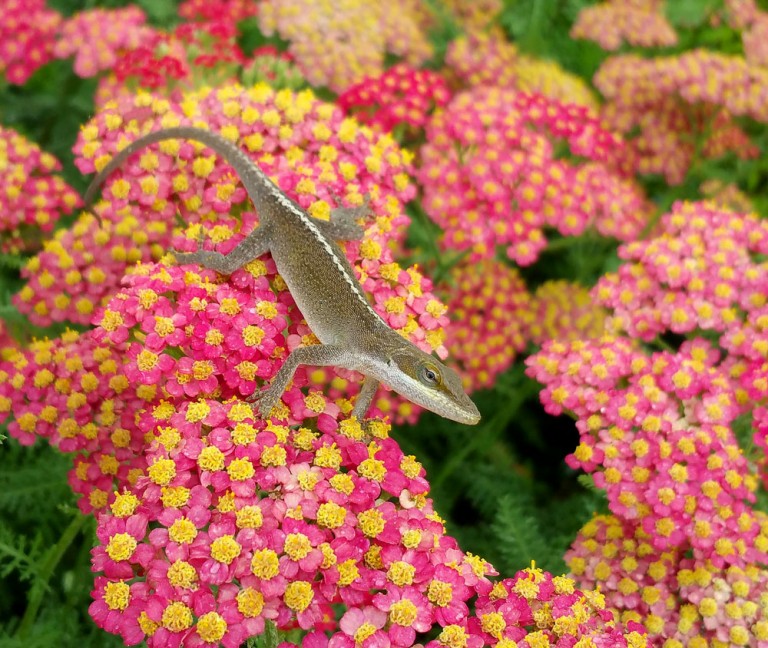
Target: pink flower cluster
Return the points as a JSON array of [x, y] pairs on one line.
[[562, 310], [308, 146], [679, 600], [487, 58], [699, 274], [237, 524], [97, 38], [490, 307], [491, 175], [740, 13], [483, 58], [662, 105], [401, 95], [338, 45], [231, 11], [657, 429], [27, 29], [31, 196], [195, 54], [656, 436], [641, 23]]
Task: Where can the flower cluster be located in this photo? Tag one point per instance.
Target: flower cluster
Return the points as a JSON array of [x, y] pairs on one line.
[[677, 599], [562, 310], [337, 44], [97, 38], [487, 58], [637, 22], [31, 196], [195, 54], [483, 58], [740, 13], [237, 523], [27, 29], [490, 307], [401, 95], [662, 105], [73, 392], [491, 175], [312, 150], [726, 196], [474, 16], [655, 434], [656, 430], [231, 11], [698, 274]]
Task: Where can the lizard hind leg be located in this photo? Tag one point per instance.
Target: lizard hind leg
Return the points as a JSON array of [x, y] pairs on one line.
[[343, 225], [250, 248]]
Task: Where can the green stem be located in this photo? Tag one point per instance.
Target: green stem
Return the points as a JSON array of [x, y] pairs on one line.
[[40, 586]]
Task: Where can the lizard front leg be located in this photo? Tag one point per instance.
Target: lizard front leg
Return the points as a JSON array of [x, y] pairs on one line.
[[365, 397], [317, 355]]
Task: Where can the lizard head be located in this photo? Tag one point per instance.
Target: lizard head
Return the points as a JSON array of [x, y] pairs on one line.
[[426, 381]]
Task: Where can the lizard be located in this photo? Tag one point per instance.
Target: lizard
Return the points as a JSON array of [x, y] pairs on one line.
[[323, 284]]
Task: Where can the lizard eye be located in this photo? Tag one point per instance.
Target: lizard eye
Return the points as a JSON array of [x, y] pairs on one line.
[[430, 375]]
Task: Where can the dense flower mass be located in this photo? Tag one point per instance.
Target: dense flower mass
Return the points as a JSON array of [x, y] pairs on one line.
[[686, 550], [701, 273], [32, 197], [231, 11], [662, 105], [401, 95], [313, 151], [489, 306], [27, 28], [483, 58], [681, 602], [337, 44], [491, 175], [561, 310], [97, 38], [474, 15], [637, 22]]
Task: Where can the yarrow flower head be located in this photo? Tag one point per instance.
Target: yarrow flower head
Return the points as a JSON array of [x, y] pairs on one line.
[[655, 434], [702, 272], [486, 57], [679, 601], [226, 532], [355, 37], [474, 16], [194, 55], [640, 23], [661, 105], [400, 96], [491, 177], [97, 38], [561, 310], [32, 197], [27, 29], [232, 11], [489, 306]]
